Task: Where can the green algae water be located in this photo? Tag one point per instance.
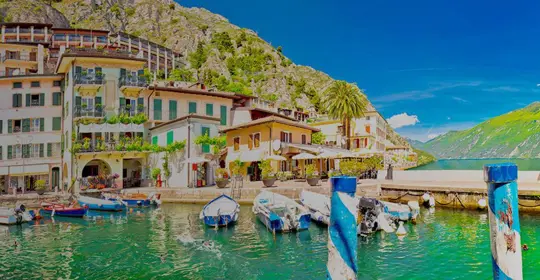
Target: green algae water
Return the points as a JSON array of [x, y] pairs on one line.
[[168, 243], [478, 164]]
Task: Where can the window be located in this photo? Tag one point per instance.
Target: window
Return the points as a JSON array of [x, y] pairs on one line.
[[286, 137], [304, 139], [35, 125], [35, 84], [192, 108], [14, 126], [254, 140], [35, 99], [1, 155], [17, 85], [170, 137], [17, 151], [223, 115], [57, 99], [57, 123], [368, 129], [172, 109], [209, 109], [157, 109], [87, 103], [17, 100], [34, 150], [57, 83], [236, 141], [154, 140], [367, 118]]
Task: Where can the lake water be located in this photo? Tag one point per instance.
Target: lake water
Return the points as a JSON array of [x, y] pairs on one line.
[[167, 244], [478, 164]]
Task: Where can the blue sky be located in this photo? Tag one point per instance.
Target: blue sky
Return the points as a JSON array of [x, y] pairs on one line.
[[428, 66]]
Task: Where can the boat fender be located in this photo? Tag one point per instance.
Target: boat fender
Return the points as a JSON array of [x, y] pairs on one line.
[[22, 207], [401, 229], [425, 197], [431, 201], [482, 203]]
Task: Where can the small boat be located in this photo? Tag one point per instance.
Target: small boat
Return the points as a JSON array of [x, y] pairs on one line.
[[280, 213], [372, 216], [100, 204], [399, 211], [14, 216], [220, 212], [63, 210], [155, 199], [318, 206], [132, 199]]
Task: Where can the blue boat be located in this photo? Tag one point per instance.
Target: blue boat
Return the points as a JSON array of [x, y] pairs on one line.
[[131, 200], [280, 213], [220, 212], [64, 211], [100, 204]]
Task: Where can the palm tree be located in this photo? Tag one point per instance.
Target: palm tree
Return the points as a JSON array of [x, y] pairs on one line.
[[345, 101]]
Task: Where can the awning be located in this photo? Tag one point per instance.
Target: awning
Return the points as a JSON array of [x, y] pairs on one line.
[[304, 156], [38, 169], [276, 157], [119, 127], [196, 160], [246, 156]]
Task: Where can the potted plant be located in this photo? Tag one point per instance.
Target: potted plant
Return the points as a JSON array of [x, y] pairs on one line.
[[40, 187], [312, 175], [236, 168], [155, 174], [282, 176], [222, 178], [268, 177], [86, 144]]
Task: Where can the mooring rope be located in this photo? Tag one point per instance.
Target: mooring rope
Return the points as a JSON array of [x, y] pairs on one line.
[[529, 206]]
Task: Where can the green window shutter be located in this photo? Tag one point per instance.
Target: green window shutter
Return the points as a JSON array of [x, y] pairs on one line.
[[24, 151], [56, 99], [205, 147], [170, 137], [209, 109], [42, 124], [28, 100], [192, 107], [122, 73], [140, 105], [99, 70], [1, 154], [1, 126], [140, 73], [9, 152], [57, 123], [78, 101], [41, 146], [223, 114], [19, 100], [172, 109], [157, 109], [15, 100], [78, 70], [26, 125], [42, 99], [154, 140], [97, 100], [10, 126], [49, 149], [122, 102]]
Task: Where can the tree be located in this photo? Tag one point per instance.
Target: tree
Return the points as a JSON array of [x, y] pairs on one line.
[[344, 101], [198, 58], [317, 138]]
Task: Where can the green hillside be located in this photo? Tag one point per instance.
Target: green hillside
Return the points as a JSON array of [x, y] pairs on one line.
[[512, 135]]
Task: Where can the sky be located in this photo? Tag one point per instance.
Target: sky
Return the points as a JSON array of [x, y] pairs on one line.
[[428, 66]]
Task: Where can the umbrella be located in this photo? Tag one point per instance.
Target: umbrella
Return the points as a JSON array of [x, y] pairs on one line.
[[304, 156], [196, 160], [276, 157], [327, 154]]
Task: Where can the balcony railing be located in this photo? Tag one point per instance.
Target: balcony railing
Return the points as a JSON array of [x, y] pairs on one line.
[[39, 31], [123, 145], [90, 79], [132, 111], [24, 30], [81, 112], [11, 30], [15, 73], [18, 56], [133, 81]]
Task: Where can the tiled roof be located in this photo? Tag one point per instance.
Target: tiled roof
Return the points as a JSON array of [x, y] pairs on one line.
[[270, 119]]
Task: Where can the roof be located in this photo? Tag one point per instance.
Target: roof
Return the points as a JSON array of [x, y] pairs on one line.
[[230, 95], [81, 30], [153, 44], [27, 24], [94, 53], [190, 116], [31, 76], [276, 119], [265, 111]]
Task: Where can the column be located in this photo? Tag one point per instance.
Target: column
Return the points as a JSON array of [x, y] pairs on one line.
[[129, 44], [81, 40], [166, 66], [40, 58], [17, 33], [149, 57], [173, 57], [157, 59], [32, 33], [3, 34], [46, 32]]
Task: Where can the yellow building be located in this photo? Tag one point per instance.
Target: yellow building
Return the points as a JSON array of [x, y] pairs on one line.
[[254, 141]]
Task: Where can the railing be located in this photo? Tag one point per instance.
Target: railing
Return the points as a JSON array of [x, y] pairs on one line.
[[39, 31], [24, 30], [90, 79], [11, 40], [81, 112], [18, 56], [108, 146], [59, 37], [102, 39], [133, 81], [11, 30], [132, 111], [34, 103], [16, 129]]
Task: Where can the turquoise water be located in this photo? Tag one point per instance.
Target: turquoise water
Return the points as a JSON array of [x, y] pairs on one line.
[[478, 164], [167, 244]]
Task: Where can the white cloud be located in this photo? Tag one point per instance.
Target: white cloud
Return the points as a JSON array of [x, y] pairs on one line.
[[503, 89], [403, 119], [433, 135], [448, 118], [459, 99], [538, 85], [413, 95]]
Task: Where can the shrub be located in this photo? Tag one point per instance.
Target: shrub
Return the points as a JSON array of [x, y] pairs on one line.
[[40, 185], [155, 173], [311, 171], [266, 169]]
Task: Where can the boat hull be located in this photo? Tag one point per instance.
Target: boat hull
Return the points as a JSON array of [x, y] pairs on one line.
[[134, 202], [75, 213], [274, 223], [9, 216], [220, 221], [220, 212], [102, 207]]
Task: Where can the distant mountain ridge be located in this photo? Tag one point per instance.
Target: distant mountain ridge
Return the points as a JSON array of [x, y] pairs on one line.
[[513, 135]]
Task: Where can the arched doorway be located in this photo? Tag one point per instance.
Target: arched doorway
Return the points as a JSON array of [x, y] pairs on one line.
[[55, 178], [131, 173], [96, 174]]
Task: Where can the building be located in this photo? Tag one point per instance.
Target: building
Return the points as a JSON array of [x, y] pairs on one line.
[[21, 32], [253, 141], [30, 119]]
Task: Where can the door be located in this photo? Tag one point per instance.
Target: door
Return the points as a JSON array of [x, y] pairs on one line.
[[55, 179]]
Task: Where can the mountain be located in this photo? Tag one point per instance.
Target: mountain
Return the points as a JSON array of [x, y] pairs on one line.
[[512, 135], [415, 143]]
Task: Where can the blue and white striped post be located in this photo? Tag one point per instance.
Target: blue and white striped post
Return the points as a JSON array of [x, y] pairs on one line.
[[504, 226], [342, 238]]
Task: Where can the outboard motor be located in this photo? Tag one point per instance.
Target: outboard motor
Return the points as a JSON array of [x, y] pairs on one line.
[[369, 209]]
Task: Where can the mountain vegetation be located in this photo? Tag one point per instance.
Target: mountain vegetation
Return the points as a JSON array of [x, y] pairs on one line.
[[512, 135]]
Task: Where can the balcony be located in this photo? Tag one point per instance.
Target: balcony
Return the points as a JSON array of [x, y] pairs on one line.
[[18, 57], [136, 145], [132, 111], [17, 72], [12, 30], [131, 86], [39, 31], [82, 112], [89, 84]]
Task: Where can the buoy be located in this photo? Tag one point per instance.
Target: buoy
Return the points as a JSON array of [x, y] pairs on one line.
[[431, 201], [425, 197], [482, 203], [401, 229]]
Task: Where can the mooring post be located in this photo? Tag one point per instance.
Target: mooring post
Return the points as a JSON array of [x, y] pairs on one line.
[[342, 238], [504, 226]]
